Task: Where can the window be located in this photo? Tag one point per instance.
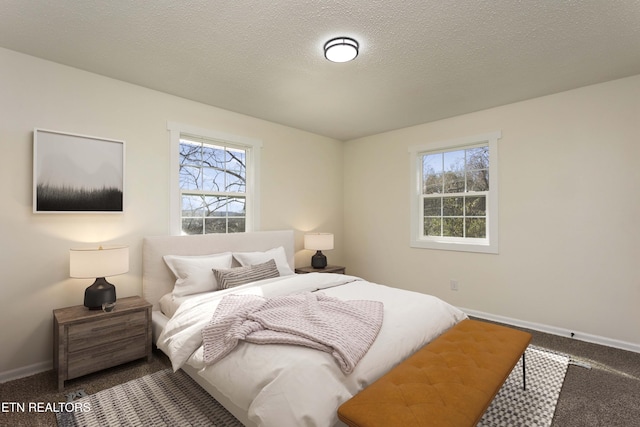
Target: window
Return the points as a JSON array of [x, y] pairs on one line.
[[454, 194], [213, 189]]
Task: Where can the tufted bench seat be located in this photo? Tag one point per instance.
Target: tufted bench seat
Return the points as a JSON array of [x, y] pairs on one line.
[[449, 382]]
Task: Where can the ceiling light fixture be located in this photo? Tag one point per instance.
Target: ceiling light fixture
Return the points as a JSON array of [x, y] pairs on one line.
[[341, 49]]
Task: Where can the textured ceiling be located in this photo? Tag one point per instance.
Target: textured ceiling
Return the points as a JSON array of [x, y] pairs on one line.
[[419, 60]]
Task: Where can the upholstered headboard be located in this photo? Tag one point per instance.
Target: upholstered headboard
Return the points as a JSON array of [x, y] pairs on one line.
[[158, 280]]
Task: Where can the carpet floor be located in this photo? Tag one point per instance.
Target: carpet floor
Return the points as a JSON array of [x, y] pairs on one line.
[[167, 399], [606, 395], [43, 387]]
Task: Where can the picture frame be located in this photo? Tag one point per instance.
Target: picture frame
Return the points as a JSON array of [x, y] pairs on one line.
[[75, 173]]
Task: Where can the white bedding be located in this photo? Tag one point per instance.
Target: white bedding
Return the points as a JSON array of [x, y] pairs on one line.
[[283, 385], [169, 303]]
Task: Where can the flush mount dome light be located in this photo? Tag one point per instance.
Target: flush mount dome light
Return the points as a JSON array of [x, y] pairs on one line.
[[341, 49]]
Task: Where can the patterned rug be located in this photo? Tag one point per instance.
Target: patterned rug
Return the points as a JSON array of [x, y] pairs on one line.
[[167, 399], [533, 407], [163, 398]]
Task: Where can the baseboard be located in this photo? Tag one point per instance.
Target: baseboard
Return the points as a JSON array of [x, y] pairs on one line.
[[36, 368], [581, 336], [26, 371]]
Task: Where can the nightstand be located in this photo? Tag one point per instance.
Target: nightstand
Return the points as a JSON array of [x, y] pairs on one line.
[[87, 341], [328, 269]]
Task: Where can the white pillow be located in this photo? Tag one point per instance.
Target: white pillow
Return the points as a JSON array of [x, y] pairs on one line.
[[277, 254], [194, 274]]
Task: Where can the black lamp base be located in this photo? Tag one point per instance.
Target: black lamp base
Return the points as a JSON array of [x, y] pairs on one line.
[[99, 293], [319, 260]]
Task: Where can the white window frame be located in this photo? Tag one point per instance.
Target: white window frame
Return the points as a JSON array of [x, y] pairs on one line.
[[253, 148], [484, 245]]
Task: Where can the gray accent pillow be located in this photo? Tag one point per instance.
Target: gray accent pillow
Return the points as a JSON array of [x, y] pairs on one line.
[[231, 277]]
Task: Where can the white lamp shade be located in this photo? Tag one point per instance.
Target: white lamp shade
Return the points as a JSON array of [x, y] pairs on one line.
[[318, 241], [98, 262]]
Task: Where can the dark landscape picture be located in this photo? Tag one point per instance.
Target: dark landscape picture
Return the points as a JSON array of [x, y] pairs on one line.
[[75, 173], [52, 198]]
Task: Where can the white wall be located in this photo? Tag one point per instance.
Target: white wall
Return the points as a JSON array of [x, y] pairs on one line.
[[569, 213], [569, 235], [301, 184]]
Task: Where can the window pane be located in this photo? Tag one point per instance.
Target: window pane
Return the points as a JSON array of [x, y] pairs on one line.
[[478, 180], [432, 163], [432, 173], [454, 171], [432, 206], [213, 179], [476, 206], [452, 227], [215, 225], [237, 161], [214, 156], [478, 158], [224, 225], [225, 206], [432, 227], [236, 207], [235, 182], [454, 161], [190, 153], [476, 227], [216, 205], [236, 225], [432, 184], [454, 182], [192, 206], [190, 178], [192, 225], [452, 206]]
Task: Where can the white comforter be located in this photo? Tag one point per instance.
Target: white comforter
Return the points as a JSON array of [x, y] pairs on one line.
[[284, 385]]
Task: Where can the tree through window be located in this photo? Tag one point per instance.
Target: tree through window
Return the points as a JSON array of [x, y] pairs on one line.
[[213, 182], [454, 187], [214, 186], [454, 203]]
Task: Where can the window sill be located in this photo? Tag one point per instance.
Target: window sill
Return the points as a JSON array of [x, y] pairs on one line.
[[457, 246]]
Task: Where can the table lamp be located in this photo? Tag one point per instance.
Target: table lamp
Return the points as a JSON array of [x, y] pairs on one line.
[[318, 242], [99, 263]]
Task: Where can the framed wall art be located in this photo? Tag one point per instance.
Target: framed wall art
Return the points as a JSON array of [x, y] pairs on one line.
[[77, 173]]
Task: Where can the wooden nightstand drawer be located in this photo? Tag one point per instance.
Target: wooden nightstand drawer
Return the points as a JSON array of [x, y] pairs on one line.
[[111, 354], [86, 341], [100, 332]]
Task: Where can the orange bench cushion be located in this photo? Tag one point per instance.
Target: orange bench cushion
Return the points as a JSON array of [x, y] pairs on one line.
[[449, 382]]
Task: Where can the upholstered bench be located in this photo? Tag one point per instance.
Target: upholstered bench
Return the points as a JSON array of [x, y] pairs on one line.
[[449, 382]]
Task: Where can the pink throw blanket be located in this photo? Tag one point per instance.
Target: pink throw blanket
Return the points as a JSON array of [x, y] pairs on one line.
[[345, 329]]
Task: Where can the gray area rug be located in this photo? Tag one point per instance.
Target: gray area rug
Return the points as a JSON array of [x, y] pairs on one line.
[[163, 398], [174, 399]]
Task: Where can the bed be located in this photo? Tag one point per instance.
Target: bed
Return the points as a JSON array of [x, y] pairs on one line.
[[278, 385]]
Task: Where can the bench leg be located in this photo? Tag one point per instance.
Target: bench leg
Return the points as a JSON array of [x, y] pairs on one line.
[[524, 373]]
